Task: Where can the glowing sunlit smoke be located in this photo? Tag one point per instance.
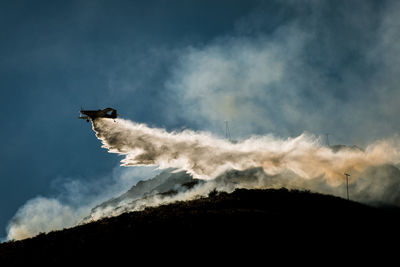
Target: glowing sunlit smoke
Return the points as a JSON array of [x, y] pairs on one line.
[[205, 156]]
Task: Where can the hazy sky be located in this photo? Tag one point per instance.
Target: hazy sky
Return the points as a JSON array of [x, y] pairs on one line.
[[280, 67]]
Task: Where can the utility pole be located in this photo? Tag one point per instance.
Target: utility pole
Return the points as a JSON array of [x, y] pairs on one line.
[[227, 131], [347, 184], [327, 138]]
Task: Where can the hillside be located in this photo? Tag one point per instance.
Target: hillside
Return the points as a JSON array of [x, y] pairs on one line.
[[274, 217], [164, 183], [377, 186]]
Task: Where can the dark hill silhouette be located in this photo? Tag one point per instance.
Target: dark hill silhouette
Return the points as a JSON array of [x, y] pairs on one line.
[[164, 183], [244, 219], [377, 186]]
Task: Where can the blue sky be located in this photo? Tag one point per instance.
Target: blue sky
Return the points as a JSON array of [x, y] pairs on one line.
[[281, 67], [57, 56]]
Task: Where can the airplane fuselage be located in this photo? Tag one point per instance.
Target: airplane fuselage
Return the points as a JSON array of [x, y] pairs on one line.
[[94, 114]]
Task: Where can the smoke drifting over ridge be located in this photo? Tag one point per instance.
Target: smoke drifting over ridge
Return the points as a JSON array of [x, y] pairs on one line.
[[74, 201], [205, 157], [256, 163], [321, 71], [265, 162]]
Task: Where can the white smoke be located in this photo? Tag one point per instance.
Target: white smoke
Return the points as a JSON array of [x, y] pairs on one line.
[[266, 161], [42, 215], [311, 73], [205, 156], [255, 81], [74, 202], [266, 84], [255, 163]]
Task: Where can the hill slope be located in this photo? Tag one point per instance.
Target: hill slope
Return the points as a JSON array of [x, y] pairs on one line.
[[219, 221]]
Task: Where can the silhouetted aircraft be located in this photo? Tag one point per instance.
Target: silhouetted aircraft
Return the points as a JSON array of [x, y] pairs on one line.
[[94, 114]]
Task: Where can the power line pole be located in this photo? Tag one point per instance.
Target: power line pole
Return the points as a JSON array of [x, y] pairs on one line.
[[327, 138], [347, 184], [227, 131]]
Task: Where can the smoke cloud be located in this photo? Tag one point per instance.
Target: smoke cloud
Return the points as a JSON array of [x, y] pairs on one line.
[[73, 202], [330, 67], [255, 163], [205, 156]]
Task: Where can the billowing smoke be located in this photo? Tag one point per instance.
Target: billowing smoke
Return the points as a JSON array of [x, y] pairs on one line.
[[259, 162], [206, 157], [74, 201], [337, 75], [218, 164], [332, 67], [41, 215]]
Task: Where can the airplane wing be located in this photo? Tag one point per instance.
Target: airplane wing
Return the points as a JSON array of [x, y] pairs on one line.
[[94, 114]]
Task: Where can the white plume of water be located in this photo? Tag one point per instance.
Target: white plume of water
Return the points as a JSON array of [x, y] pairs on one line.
[[205, 156]]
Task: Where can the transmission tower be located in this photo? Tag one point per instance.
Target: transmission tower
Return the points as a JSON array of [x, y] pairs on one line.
[[347, 184], [227, 131], [327, 139]]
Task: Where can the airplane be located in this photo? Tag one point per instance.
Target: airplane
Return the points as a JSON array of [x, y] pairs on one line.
[[94, 114]]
